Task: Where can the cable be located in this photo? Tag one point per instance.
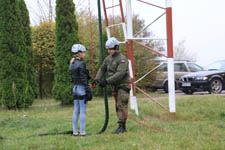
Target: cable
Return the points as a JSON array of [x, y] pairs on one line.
[[42, 134], [101, 53], [91, 41]]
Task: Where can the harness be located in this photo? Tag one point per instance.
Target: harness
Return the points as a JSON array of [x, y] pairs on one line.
[[77, 81], [117, 88], [79, 97]]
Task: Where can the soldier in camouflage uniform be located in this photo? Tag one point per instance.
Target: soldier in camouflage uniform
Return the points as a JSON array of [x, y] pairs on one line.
[[116, 65]]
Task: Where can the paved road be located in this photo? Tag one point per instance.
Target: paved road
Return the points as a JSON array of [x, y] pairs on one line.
[[180, 93]]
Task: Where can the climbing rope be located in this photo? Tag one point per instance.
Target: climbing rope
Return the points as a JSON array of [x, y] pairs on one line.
[[91, 40], [113, 16], [129, 117]]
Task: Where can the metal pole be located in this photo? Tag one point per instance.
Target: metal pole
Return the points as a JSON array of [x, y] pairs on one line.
[[130, 55], [171, 82]]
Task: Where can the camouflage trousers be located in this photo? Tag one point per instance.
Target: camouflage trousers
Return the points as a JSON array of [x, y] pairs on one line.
[[121, 98]]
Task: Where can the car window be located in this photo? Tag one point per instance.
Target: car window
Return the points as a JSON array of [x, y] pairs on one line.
[[194, 67], [219, 65], [180, 67], [163, 67]]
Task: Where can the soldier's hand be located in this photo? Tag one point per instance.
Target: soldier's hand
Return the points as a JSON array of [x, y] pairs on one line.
[[103, 83]]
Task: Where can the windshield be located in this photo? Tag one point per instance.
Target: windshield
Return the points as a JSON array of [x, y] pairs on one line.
[[218, 65], [194, 67]]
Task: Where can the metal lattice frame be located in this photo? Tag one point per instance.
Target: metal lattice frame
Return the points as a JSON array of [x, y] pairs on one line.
[[130, 39]]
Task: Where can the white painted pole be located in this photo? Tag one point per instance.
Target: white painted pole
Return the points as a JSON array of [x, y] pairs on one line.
[[171, 85], [133, 99], [108, 32], [171, 81], [129, 20]]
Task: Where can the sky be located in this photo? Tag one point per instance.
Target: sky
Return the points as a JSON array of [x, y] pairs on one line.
[[199, 22]]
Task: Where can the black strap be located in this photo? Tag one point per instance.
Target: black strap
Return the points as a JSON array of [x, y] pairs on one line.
[[76, 81], [116, 89], [79, 97], [125, 89]]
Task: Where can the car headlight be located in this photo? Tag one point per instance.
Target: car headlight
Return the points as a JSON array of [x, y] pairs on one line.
[[181, 79], [201, 78]]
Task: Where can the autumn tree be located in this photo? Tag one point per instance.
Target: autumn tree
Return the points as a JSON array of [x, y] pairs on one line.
[[182, 53], [43, 38]]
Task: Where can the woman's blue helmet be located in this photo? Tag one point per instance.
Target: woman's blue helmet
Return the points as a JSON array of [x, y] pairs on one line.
[[78, 47]]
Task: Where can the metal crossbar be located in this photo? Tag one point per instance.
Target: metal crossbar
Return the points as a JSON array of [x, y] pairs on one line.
[[149, 24], [113, 6], [155, 51], [151, 4], [152, 99]]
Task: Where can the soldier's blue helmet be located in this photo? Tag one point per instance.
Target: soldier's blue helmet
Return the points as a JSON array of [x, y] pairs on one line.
[[78, 47], [112, 43]]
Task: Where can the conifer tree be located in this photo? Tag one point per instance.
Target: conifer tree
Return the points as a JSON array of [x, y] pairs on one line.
[[14, 87], [31, 90], [66, 36]]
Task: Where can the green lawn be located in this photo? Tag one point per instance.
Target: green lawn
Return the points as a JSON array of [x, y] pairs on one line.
[[199, 124]]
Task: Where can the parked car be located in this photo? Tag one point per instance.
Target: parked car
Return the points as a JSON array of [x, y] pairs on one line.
[[211, 80], [180, 68]]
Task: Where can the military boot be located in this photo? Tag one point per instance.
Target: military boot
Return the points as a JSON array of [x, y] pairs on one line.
[[124, 127], [121, 128]]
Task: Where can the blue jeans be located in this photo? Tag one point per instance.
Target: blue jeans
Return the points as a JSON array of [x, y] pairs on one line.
[[79, 109]]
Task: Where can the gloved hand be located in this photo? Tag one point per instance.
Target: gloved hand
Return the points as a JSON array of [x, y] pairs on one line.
[[103, 83], [94, 83]]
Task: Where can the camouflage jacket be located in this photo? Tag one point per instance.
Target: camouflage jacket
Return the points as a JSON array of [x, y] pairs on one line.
[[117, 68]]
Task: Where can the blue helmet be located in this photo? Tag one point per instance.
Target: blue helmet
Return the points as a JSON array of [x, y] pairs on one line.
[[78, 47], [112, 43]]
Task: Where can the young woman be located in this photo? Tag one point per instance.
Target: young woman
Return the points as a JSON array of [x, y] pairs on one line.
[[81, 89]]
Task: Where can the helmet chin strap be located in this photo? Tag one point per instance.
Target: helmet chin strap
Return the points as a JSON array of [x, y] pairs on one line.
[[116, 47]]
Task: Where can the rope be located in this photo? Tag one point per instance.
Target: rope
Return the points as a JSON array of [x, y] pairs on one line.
[[129, 117], [91, 40], [114, 30]]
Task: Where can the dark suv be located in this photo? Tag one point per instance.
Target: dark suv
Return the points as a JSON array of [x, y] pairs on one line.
[[212, 79], [180, 68]]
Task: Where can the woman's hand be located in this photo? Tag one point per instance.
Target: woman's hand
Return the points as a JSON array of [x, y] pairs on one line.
[[72, 60]]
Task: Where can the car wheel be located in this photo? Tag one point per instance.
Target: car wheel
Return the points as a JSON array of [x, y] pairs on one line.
[[166, 87], [176, 86], [188, 92], [209, 92], [216, 86], [153, 89]]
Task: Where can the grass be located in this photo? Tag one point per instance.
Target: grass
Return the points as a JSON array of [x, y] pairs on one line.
[[199, 124]]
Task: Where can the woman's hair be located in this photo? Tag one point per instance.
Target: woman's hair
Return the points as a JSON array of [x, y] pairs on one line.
[[77, 54]]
